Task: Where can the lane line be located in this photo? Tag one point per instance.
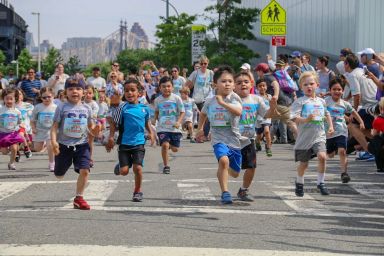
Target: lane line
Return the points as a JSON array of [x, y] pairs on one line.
[[192, 191], [9, 189]]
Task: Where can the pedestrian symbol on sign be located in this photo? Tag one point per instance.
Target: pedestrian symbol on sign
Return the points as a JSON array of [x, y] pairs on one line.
[[277, 12]]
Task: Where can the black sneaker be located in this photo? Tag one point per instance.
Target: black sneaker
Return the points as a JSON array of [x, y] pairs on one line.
[[299, 190], [28, 154], [166, 170], [188, 137], [244, 196], [137, 197], [345, 177], [323, 189], [116, 171], [17, 157], [380, 170]]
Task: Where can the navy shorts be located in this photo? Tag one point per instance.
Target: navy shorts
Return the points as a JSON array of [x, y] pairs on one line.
[[333, 144], [129, 155], [260, 130], [367, 119], [234, 155], [79, 155], [248, 156], [172, 137]]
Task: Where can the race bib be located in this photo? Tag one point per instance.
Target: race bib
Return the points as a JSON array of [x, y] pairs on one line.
[[316, 109], [168, 114], [219, 116], [75, 127], [167, 121], [9, 121], [45, 119], [248, 119]]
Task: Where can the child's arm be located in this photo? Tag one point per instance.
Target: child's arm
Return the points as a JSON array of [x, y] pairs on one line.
[[179, 120], [358, 118], [234, 109], [55, 145], [111, 139], [330, 124], [150, 132], [156, 117], [200, 131]]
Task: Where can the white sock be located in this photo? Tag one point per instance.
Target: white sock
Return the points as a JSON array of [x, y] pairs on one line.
[[300, 179], [320, 177]]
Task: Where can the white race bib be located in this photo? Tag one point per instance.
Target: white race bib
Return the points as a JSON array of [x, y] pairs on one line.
[[75, 127]]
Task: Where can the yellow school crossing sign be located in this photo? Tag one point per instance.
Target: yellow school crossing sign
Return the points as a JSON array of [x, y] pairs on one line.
[[273, 19]]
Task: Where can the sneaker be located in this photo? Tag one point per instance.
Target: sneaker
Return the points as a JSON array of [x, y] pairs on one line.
[[364, 156], [116, 171], [258, 147], [166, 170], [188, 137], [244, 196], [269, 152], [137, 197], [192, 140], [51, 167], [345, 177], [226, 198], [80, 203], [17, 157], [27, 153], [12, 167], [323, 189], [299, 189]]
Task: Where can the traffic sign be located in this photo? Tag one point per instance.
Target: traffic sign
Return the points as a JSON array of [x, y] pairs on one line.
[[278, 41], [273, 19], [198, 40]]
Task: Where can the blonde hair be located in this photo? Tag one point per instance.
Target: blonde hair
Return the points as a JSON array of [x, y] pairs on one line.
[[203, 58], [381, 103], [307, 74], [185, 90]]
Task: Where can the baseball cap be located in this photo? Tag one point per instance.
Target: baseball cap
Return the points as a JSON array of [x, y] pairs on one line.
[[245, 66], [366, 51], [155, 73], [263, 67], [296, 54], [73, 82]]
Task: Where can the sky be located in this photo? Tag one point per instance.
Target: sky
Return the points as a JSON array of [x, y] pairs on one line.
[[62, 19]]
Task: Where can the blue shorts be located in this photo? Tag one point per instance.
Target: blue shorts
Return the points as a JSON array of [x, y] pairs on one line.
[[333, 144], [79, 155], [260, 130], [234, 155], [172, 137]]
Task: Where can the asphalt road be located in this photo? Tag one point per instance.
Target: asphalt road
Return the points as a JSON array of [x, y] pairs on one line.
[[181, 213]]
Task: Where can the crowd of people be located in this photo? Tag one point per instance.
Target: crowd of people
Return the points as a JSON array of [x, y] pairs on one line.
[[322, 112]]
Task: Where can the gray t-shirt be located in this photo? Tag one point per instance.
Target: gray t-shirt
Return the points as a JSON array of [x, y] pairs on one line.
[[95, 108], [337, 110], [73, 123], [169, 112], [312, 132], [43, 115], [224, 124]]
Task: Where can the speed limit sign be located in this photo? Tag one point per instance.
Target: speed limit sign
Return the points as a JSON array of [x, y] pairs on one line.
[[198, 41]]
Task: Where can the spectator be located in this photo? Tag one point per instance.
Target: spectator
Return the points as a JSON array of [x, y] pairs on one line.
[[57, 80], [96, 80], [306, 59], [325, 76], [31, 87]]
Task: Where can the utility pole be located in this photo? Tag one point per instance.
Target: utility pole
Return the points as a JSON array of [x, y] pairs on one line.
[[167, 9]]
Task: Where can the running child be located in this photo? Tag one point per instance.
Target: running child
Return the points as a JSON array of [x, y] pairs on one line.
[[223, 112], [41, 122], [190, 107], [132, 119], [338, 108], [254, 108], [264, 124], [102, 114], [309, 112], [89, 99], [10, 123], [70, 145], [26, 132], [169, 112]]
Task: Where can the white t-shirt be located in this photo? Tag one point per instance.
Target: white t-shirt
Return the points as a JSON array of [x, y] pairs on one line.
[[59, 84], [178, 84], [359, 83], [98, 83], [169, 111]]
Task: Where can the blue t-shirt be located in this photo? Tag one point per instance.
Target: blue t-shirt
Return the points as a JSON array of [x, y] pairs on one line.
[[131, 119]]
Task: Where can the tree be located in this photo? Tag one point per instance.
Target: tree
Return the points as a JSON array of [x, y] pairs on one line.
[[131, 59], [2, 61], [232, 24], [25, 62], [50, 62], [174, 34], [72, 66]]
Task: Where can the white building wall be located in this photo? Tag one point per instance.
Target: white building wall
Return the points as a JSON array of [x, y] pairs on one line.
[[326, 26]]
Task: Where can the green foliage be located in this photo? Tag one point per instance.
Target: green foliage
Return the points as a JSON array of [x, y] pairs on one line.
[[72, 66], [50, 62], [233, 24], [25, 62], [2, 62], [105, 68], [131, 59], [174, 46]]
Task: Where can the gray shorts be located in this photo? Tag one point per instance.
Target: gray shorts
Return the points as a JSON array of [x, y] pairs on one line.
[[304, 155]]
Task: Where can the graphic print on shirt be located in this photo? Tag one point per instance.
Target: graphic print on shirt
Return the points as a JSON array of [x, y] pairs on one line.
[[248, 119], [317, 110], [45, 119], [167, 114], [75, 126], [219, 116], [9, 121]]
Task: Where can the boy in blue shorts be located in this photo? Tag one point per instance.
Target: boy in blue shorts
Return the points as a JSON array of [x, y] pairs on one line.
[[223, 112], [73, 120], [169, 112], [132, 118]]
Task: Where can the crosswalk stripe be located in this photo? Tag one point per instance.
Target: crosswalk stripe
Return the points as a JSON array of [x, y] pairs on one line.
[[193, 191], [371, 191], [9, 189], [73, 250]]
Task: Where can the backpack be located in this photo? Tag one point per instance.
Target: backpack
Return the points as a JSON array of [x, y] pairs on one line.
[[286, 83]]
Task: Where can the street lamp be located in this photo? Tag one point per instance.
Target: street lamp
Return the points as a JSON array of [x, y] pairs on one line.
[[167, 8], [17, 67], [38, 40]]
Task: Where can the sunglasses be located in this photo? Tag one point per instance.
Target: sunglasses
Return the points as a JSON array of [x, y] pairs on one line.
[[113, 76], [204, 64], [115, 65], [173, 71], [46, 97]]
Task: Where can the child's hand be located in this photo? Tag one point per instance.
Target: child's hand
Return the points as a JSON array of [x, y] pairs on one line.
[[176, 125], [362, 126], [110, 144], [219, 99], [55, 148], [310, 118], [331, 130], [199, 135], [153, 140]]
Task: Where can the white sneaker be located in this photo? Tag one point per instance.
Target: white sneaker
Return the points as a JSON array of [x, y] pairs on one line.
[[51, 167]]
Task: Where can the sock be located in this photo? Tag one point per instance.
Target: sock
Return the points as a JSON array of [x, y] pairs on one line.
[[78, 194], [320, 177], [243, 188], [300, 179]]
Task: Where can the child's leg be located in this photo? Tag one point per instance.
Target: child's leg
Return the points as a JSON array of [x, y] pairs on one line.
[[164, 152], [4, 151], [321, 156], [90, 142], [51, 156], [267, 136], [222, 173], [343, 159], [248, 177], [38, 146], [82, 181], [138, 171], [174, 149], [301, 168], [14, 148], [190, 128]]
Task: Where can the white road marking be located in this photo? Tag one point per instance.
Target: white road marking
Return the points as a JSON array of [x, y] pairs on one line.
[[208, 168], [9, 188], [370, 191], [73, 250], [192, 191]]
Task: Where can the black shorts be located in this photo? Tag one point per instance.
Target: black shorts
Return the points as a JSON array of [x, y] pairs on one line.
[[79, 155], [248, 154], [172, 137], [367, 119], [333, 144], [129, 155], [260, 130]]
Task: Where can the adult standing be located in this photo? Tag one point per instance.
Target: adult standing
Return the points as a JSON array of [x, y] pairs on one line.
[[57, 80], [306, 59], [96, 80], [178, 81], [31, 86], [39, 76], [4, 84], [116, 69], [325, 75]]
